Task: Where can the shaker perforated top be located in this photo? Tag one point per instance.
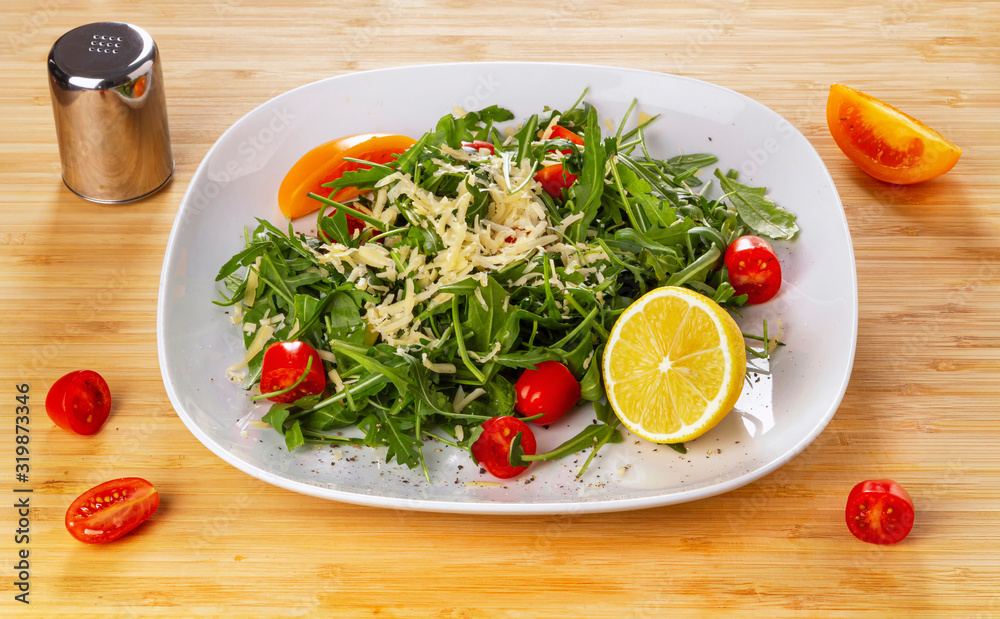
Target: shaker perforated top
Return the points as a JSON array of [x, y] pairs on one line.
[[101, 55]]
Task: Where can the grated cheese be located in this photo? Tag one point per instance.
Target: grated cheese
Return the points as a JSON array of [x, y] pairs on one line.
[[471, 250], [469, 399], [334, 376], [263, 335], [327, 356], [237, 316], [250, 294], [439, 368]]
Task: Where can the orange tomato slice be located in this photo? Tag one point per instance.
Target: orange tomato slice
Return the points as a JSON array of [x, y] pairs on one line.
[[884, 142], [325, 164]]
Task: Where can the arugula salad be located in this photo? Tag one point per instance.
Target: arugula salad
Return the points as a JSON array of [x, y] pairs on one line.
[[470, 259]]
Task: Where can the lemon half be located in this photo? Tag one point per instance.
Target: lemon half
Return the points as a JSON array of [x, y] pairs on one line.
[[674, 365]]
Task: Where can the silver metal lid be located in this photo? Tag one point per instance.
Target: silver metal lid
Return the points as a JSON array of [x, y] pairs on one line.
[[110, 112]]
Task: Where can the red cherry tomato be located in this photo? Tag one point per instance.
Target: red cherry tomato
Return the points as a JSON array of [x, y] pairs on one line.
[[492, 448], [562, 133], [106, 512], [284, 363], [879, 511], [477, 145], [548, 390], [554, 179], [753, 268], [79, 402]]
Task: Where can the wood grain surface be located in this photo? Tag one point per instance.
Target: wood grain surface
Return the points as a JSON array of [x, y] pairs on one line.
[[78, 285]]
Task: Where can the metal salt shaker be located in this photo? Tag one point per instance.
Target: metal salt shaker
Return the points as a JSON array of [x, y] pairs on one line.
[[110, 112]]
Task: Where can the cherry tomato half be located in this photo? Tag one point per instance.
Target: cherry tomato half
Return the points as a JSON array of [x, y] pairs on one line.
[[477, 145], [562, 133], [753, 268], [284, 363], [548, 390], [325, 164], [888, 144], [492, 448], [107, 511], [879, 511], [79, 402], [554, 179]]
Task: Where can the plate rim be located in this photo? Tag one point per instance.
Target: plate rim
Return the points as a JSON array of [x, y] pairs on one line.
[[491, 507]]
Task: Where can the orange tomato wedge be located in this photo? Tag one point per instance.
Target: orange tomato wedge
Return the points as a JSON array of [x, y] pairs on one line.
[[325, 164], [884, 142]]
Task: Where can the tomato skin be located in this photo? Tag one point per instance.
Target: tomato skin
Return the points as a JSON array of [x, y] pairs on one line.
[[887, 143], [284, 363], [879, 511], [559, 132], [554, 179], [477, 145], [492, 448], [94, 520], [549, 389], [79, 402], [753, 269], [325, 164]]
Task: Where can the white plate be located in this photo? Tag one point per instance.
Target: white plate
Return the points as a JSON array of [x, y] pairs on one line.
[[775, 419]]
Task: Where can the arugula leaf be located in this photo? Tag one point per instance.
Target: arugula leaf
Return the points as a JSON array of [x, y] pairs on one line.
[[427, 241], [403, 446], [241, 259], [526, 359], [335, 227], [366, 178], [524, 138], [590, 436], [604, 411], [586, 192], [491, 114], [276, 417], [424, 388], [359, 355], [591, 385], [487, 323], [330, 417], [293, 437], [344, 319], [501, 397], [479, 207], [756, 210], [306, 310]]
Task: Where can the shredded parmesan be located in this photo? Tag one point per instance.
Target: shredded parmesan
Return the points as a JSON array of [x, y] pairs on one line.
[[439, 368], [478, 391], [338, 384], [547, 133], [514, 227], [263, 335], [250, 294], [493, 352], [327, 355]]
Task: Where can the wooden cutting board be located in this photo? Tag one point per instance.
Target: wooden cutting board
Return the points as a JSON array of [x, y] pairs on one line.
[[78, 284]]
